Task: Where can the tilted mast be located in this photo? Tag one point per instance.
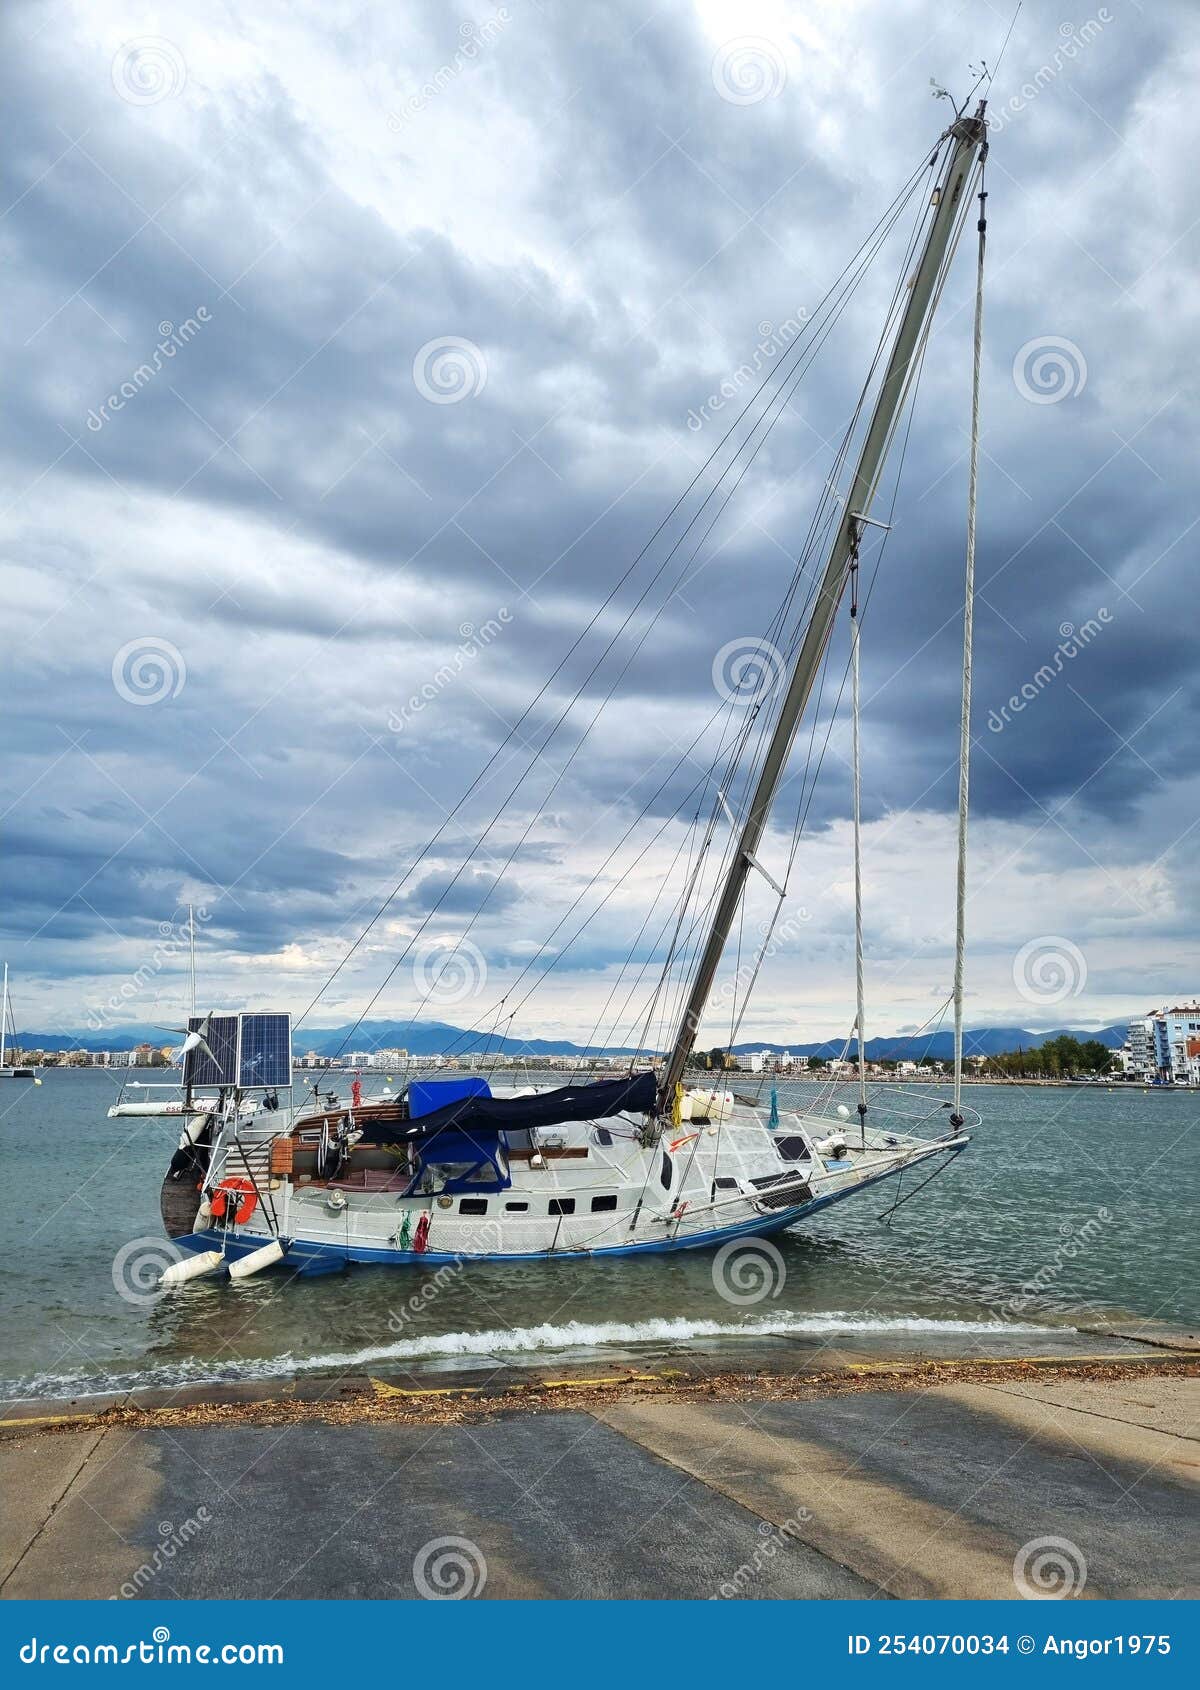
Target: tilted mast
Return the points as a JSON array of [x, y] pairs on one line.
[[968, 134]]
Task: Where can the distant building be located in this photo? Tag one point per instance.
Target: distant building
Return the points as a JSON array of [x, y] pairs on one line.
[[1136, 1055], [1164, 1045], [1175, 1030], [146, 1056]]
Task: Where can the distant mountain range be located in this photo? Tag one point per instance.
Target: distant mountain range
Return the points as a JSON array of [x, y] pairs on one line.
[[435, 1038], [421, 1038], [978, 1041]]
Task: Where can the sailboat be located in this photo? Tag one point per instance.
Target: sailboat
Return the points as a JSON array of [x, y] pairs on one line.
[[463, 1168], [9, 1070]]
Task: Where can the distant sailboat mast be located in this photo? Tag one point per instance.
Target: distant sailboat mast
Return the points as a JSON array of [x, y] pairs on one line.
[[968, 135], [9, 1071]]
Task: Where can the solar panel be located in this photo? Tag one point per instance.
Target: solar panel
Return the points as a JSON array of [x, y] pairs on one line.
[[265, 1051], [200, 1068]]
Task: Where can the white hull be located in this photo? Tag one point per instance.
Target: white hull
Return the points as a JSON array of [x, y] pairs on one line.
[[698, 1186]]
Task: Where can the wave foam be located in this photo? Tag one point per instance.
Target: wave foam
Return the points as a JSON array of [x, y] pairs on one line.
[[577, 1334], [527, 1340]]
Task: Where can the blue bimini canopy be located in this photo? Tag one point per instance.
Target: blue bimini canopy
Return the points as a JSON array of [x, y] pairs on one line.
[[466, 1161]]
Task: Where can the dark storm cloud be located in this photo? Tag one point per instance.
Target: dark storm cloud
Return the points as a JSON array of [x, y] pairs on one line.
[[462, 895]]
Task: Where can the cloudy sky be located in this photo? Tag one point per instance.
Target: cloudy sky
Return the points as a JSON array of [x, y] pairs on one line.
[[414, 318]]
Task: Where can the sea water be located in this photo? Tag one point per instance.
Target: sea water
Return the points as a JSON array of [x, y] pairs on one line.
[[1071, 1208]]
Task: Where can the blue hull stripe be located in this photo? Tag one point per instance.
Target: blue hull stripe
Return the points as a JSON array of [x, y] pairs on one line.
[[306, 1257]]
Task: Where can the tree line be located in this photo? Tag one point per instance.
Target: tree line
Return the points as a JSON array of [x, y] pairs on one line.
[[1062, 1058]]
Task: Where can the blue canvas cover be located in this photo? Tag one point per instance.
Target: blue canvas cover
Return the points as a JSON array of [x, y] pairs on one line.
[[424, 1096]]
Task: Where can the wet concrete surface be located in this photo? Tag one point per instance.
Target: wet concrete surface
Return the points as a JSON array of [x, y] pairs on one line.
[[961, 1483], [936, 1491], [556, 1505]]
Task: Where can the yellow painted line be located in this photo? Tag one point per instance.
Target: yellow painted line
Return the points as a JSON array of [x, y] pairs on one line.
[[616, 1379], [45, 1420], [384, 1390]]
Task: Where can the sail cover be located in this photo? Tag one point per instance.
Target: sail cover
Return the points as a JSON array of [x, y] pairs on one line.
[[487, 1116]]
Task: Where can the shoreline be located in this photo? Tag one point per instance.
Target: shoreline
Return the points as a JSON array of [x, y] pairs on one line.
[[737, 1369]]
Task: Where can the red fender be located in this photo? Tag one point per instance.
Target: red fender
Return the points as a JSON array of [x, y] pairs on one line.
[[421, 1236]]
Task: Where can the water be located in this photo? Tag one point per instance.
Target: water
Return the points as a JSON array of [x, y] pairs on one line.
[[1071, 1207]]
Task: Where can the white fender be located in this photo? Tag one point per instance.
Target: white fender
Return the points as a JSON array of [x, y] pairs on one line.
[[256, 1260], [195, 1126], [191, 1267]]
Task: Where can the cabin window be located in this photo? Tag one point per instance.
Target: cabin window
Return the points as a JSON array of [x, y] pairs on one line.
[[516, 1208], [792, 1149], [666, 1172], [603, 1136], [724, 1183], [473, 1206], [601, 1204], [562, 1206]]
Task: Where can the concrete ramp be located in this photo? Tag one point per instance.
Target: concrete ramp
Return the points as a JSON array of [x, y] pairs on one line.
[[935, 1492]]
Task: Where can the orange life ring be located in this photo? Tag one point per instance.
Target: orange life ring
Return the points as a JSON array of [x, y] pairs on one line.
[[243, 1190]]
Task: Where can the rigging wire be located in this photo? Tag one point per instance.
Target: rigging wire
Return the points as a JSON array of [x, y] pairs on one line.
[[910, 407], [513, 731], [777, 404], [964, 739], [750, 721], [856, 777], [829, 501]]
